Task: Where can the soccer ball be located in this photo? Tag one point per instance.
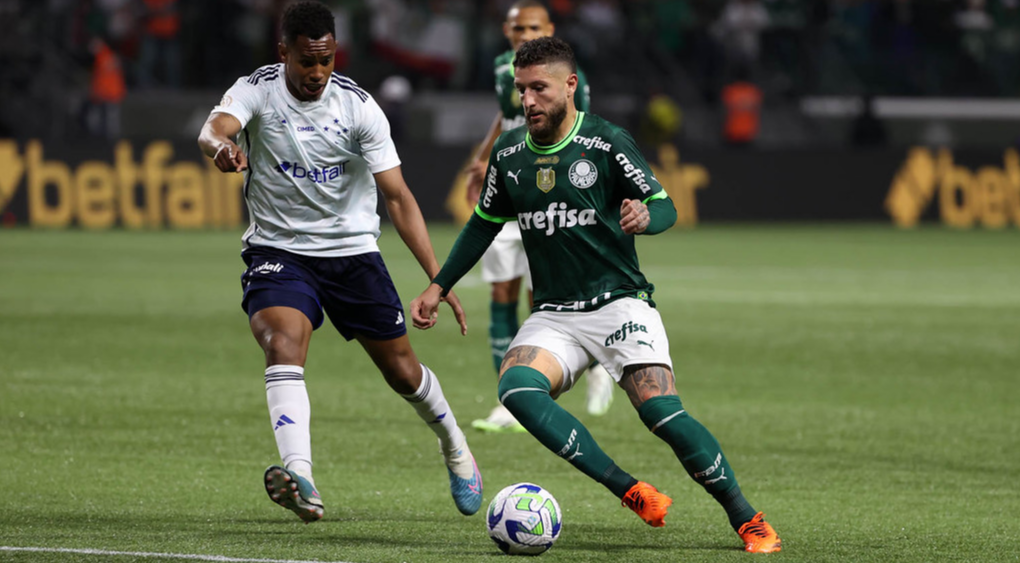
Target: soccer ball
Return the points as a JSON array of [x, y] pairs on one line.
[[524, 519]]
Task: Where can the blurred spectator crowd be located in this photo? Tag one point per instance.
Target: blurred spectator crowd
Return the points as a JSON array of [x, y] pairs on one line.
[[898, 47], [688, 49]]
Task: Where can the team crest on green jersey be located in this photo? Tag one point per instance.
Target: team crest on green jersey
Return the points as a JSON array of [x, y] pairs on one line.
[[583, 174], [546, 179]]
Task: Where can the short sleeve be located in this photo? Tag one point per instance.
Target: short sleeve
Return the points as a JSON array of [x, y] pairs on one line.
[[494, 203], [243, 101], [373, 135], [632, 171]]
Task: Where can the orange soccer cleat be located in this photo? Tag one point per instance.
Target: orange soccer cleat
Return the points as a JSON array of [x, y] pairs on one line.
[[648, 503], [758, 536]]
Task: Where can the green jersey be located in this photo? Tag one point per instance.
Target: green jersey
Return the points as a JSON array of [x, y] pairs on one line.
[[510, 98], [566, 199]]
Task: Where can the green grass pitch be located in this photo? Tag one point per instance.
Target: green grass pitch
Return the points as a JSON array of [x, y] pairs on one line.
[[864, 382]]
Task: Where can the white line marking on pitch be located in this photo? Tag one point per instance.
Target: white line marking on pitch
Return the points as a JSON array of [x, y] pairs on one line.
[[193, 557]]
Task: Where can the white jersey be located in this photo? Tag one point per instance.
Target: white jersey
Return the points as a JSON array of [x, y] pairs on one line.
[[309, 185]]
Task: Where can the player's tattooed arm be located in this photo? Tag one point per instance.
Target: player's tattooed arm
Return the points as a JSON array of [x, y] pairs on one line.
[[643, 382]]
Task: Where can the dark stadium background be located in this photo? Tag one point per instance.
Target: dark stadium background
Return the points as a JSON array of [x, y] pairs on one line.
[[848, 88]]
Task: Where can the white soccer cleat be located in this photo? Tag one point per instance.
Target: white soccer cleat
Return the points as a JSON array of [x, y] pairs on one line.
[[600, 390]]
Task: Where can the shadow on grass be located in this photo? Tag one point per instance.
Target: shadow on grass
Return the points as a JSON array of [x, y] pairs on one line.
[[367, 531], [589, 538]]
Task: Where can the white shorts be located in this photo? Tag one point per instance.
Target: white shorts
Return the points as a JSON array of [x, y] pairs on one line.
[[624, 333], [505, 259]]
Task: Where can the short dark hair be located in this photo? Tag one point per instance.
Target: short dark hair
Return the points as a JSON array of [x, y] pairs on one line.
[[309, 18], [545, 50], [522, 4]]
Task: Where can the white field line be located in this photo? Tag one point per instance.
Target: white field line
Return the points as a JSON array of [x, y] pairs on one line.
[[187, 556]]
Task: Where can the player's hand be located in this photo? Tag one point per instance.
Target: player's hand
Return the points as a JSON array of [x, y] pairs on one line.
[[634, 217], [425, 307], [454, 302], [230, 158], [475, 175]]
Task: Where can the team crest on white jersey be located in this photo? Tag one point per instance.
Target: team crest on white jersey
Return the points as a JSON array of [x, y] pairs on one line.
[[583, 174], [546, 179]]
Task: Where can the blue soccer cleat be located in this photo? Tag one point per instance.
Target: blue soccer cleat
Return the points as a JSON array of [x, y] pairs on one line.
[[467, 493], [294, 492]]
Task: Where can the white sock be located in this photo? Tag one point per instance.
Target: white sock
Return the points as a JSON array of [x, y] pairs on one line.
[[290, 414], [430, 404]]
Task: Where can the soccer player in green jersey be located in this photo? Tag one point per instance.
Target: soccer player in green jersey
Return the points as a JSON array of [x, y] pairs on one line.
[[505, 264], [580, 190]]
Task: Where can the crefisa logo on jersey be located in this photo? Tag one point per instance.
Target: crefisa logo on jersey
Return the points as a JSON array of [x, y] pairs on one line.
[[317, 175], [629, 327], [583, 174], [557, 215], [635, 174]]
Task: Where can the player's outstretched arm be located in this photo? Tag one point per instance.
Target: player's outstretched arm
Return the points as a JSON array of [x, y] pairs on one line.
[[476, 236], [216, 142], [407, 218]]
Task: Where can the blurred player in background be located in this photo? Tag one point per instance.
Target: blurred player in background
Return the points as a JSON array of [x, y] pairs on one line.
[[580, 190], [505, 264], [314, 148]]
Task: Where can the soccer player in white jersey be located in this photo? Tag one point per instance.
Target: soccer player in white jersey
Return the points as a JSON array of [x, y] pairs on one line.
[[315, 148], [505, 264]]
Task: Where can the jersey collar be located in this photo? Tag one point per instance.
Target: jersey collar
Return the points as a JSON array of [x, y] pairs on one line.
[[539, 149]]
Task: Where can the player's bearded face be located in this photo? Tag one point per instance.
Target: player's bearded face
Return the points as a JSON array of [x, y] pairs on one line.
[[546, 92], [308, 64], [544, 128]]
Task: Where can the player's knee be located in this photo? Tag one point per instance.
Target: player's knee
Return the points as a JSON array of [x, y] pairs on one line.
[[282, 347], [404, 377], [519, 380], [660, 410]]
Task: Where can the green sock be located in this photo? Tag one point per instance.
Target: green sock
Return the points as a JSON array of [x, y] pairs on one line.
[[525, 392], [502, 329], [699, 452]]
